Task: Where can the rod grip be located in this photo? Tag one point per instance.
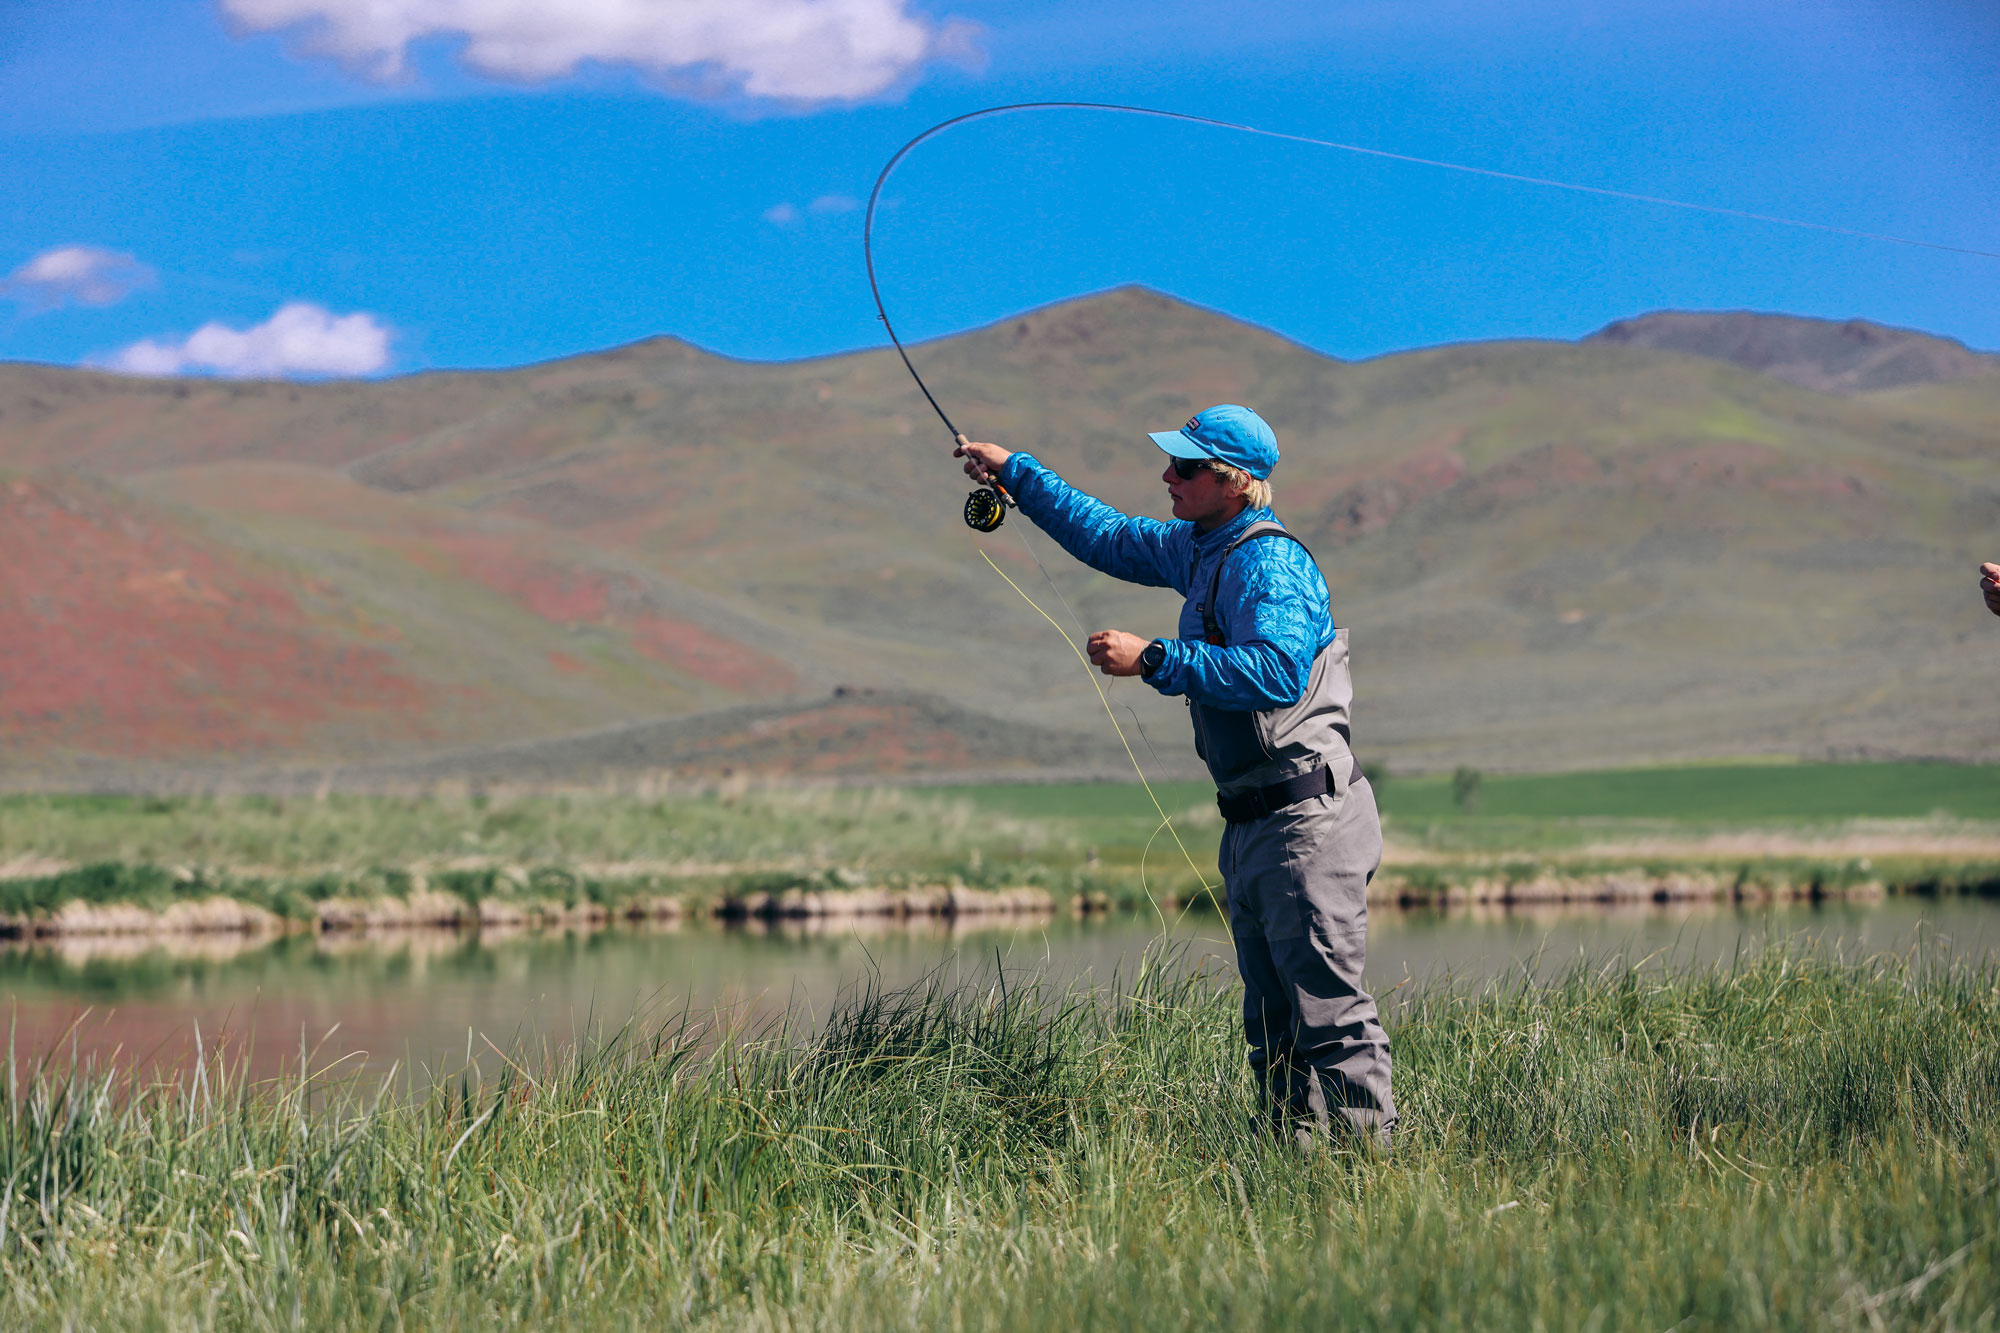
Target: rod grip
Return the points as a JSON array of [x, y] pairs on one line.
[[990, 479]]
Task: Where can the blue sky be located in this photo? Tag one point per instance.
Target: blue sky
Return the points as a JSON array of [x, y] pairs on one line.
[[290, 186]]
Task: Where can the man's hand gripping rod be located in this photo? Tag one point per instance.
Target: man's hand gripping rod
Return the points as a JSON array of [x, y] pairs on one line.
[[986, 508]]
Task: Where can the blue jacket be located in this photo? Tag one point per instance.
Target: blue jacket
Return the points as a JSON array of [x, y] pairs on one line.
[[1272, 604]]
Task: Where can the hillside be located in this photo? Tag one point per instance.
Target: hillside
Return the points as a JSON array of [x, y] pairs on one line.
[[1843, 357], [1549, 554]]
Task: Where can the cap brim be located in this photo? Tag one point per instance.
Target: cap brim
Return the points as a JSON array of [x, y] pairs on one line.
[[1179, 444]]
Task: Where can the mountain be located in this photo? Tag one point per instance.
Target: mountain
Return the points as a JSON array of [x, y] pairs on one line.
[[1547, 553], [1832, 356]]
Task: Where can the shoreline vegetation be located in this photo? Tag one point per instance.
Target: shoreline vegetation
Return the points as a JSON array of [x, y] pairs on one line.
[[79, 866], [111, 899], [1789, 1140]]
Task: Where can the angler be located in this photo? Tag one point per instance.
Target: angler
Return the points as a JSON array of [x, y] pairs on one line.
[[1264, 672]]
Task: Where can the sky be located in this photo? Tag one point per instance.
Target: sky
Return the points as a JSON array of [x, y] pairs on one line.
[[324, 188]]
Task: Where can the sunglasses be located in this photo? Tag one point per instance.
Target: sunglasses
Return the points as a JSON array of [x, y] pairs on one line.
[[1186, 468]]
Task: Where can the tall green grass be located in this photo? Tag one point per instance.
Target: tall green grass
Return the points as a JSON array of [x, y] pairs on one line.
[[1792, 1141]]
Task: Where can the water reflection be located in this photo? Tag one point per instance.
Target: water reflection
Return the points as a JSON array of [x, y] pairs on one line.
[[428, 998]]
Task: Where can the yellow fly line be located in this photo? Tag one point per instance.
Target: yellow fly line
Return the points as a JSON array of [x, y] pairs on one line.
[[1166, 820]]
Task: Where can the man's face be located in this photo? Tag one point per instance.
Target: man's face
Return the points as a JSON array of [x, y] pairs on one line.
[[1201, 498]]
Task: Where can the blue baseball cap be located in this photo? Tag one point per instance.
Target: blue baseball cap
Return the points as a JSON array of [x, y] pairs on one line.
[[1228, 434]]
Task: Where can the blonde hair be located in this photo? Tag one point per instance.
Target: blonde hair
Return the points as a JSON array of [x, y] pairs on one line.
[[1255, 491]]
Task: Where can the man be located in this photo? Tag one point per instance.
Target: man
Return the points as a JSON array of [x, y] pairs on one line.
[[1989, 584], [1265, 676]]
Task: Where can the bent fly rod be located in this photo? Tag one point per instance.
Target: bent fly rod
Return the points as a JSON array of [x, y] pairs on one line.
[[987, 506]]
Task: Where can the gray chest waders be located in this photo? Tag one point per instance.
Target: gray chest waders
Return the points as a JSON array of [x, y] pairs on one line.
[[1297, 875], [1263, 760]]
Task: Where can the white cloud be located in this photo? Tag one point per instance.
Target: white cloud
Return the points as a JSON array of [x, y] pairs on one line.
[[789, 214], [83, 274], [300, 339], [787, 50]]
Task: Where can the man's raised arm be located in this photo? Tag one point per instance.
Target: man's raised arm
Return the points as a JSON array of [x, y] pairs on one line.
[[1139, 550]]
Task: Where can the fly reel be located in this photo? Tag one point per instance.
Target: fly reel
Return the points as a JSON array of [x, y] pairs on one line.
[[986, 508]]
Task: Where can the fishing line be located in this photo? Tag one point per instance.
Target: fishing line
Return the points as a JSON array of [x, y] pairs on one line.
[[1082, 633], [1068, 610], [986, 508], [1361, 150], [1150, 794], [1103, 693]]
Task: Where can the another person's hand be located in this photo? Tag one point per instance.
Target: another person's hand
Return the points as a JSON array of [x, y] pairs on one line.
[[1116, 653], [982, 461], [1989, 583]]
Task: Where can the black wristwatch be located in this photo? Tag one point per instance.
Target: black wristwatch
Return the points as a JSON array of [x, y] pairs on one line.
[[1151, 658]]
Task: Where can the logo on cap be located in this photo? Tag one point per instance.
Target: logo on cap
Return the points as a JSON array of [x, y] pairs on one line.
[[1194, 423]]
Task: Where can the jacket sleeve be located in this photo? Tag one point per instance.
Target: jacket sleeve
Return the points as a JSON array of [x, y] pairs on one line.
[[1138, 550], [1276, 618]]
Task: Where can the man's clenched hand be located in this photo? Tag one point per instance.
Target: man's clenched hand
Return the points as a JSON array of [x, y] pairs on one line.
[[1116, 653], [982, 461], [1989, 583]]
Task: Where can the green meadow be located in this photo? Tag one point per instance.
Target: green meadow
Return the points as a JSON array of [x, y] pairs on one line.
[[935, 825], [1665, 816], [1712, 793], [1105, 841], [1701, 793]]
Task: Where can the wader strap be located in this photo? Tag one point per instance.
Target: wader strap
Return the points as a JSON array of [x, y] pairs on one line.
[[1211, 627], [1246, 807]]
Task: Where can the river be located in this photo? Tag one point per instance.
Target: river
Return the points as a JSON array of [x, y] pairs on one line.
[[422, 1003]]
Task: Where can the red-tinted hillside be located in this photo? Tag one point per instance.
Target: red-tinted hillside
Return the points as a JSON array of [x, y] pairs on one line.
[[124, 635]]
